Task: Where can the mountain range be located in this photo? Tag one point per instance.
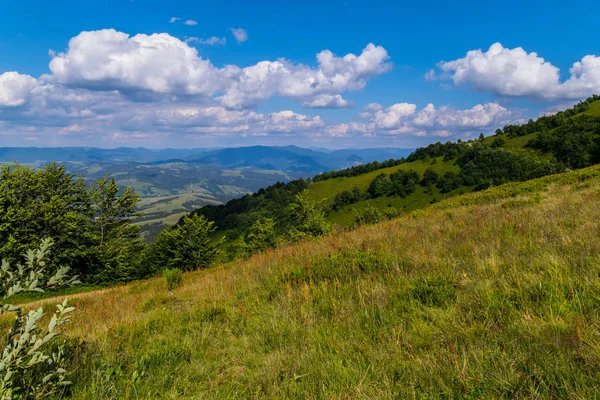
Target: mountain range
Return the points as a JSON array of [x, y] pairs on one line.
[[300, 160]]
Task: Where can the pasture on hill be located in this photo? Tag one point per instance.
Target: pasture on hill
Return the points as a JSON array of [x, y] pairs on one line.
[[493, 294]]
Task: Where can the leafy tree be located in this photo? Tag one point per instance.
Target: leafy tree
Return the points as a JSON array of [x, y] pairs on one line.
[[498, 165], [261, 236], [91, 229], [44, 203], [118, 242], [186, 246], [347, 197], [358, 169], [430, 177], [404, 182], [481, 137], [309, 216], [449, 182], [380, 186], [574, 143], [498, 142], [28, 369]]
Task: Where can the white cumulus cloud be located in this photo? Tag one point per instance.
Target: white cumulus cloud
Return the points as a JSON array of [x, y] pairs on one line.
[[15, 88], [163, 64], [191, 22], [109, 60], [372, 107], [393, 116], [289, 121], [516, 72], [333, 75], [480, 116]]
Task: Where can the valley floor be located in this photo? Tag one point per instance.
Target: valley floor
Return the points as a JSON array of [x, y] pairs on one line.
[[487, 295]]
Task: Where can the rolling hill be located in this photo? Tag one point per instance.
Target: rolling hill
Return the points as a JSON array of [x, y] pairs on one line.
[[567, 140], [491, 294]]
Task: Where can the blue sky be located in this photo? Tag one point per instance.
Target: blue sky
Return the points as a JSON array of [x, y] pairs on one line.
[[242, 73]]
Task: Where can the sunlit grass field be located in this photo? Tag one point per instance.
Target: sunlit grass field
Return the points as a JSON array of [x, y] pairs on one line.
[[494, 294], [327, 189]]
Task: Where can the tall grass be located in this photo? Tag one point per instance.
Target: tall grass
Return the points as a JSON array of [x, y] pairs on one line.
[[489, 295]]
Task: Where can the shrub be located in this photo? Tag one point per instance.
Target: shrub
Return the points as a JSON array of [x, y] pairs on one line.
[[308, 216], [174, 277], [29, 369], [369, 215]]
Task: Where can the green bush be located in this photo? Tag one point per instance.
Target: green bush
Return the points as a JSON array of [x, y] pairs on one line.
[[174, 277], [368, 215], [30, 366]]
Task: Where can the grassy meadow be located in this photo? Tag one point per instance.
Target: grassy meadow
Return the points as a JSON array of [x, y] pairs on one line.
[[494, 294], [327, 189]]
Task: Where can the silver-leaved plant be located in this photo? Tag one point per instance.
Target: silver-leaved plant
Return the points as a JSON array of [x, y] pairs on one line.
[[29, 367]]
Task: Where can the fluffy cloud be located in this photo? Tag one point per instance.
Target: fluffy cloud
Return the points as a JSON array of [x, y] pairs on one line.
[[327, 101], [515, 72], [110, 60], [333, 75], [96, 85], [163, 64], [404, 119], [584, 80], [392, 116], [191, 22], [79, 113], [289, 121], [174, 19], [240, 35], [480, 116], [15, 89]]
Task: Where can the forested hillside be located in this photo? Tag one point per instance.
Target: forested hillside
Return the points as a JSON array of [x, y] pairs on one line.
[[375, 191]]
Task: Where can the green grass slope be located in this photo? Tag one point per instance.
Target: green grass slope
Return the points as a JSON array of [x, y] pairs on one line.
[[327, 189], [493, 294], [594, 110]]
